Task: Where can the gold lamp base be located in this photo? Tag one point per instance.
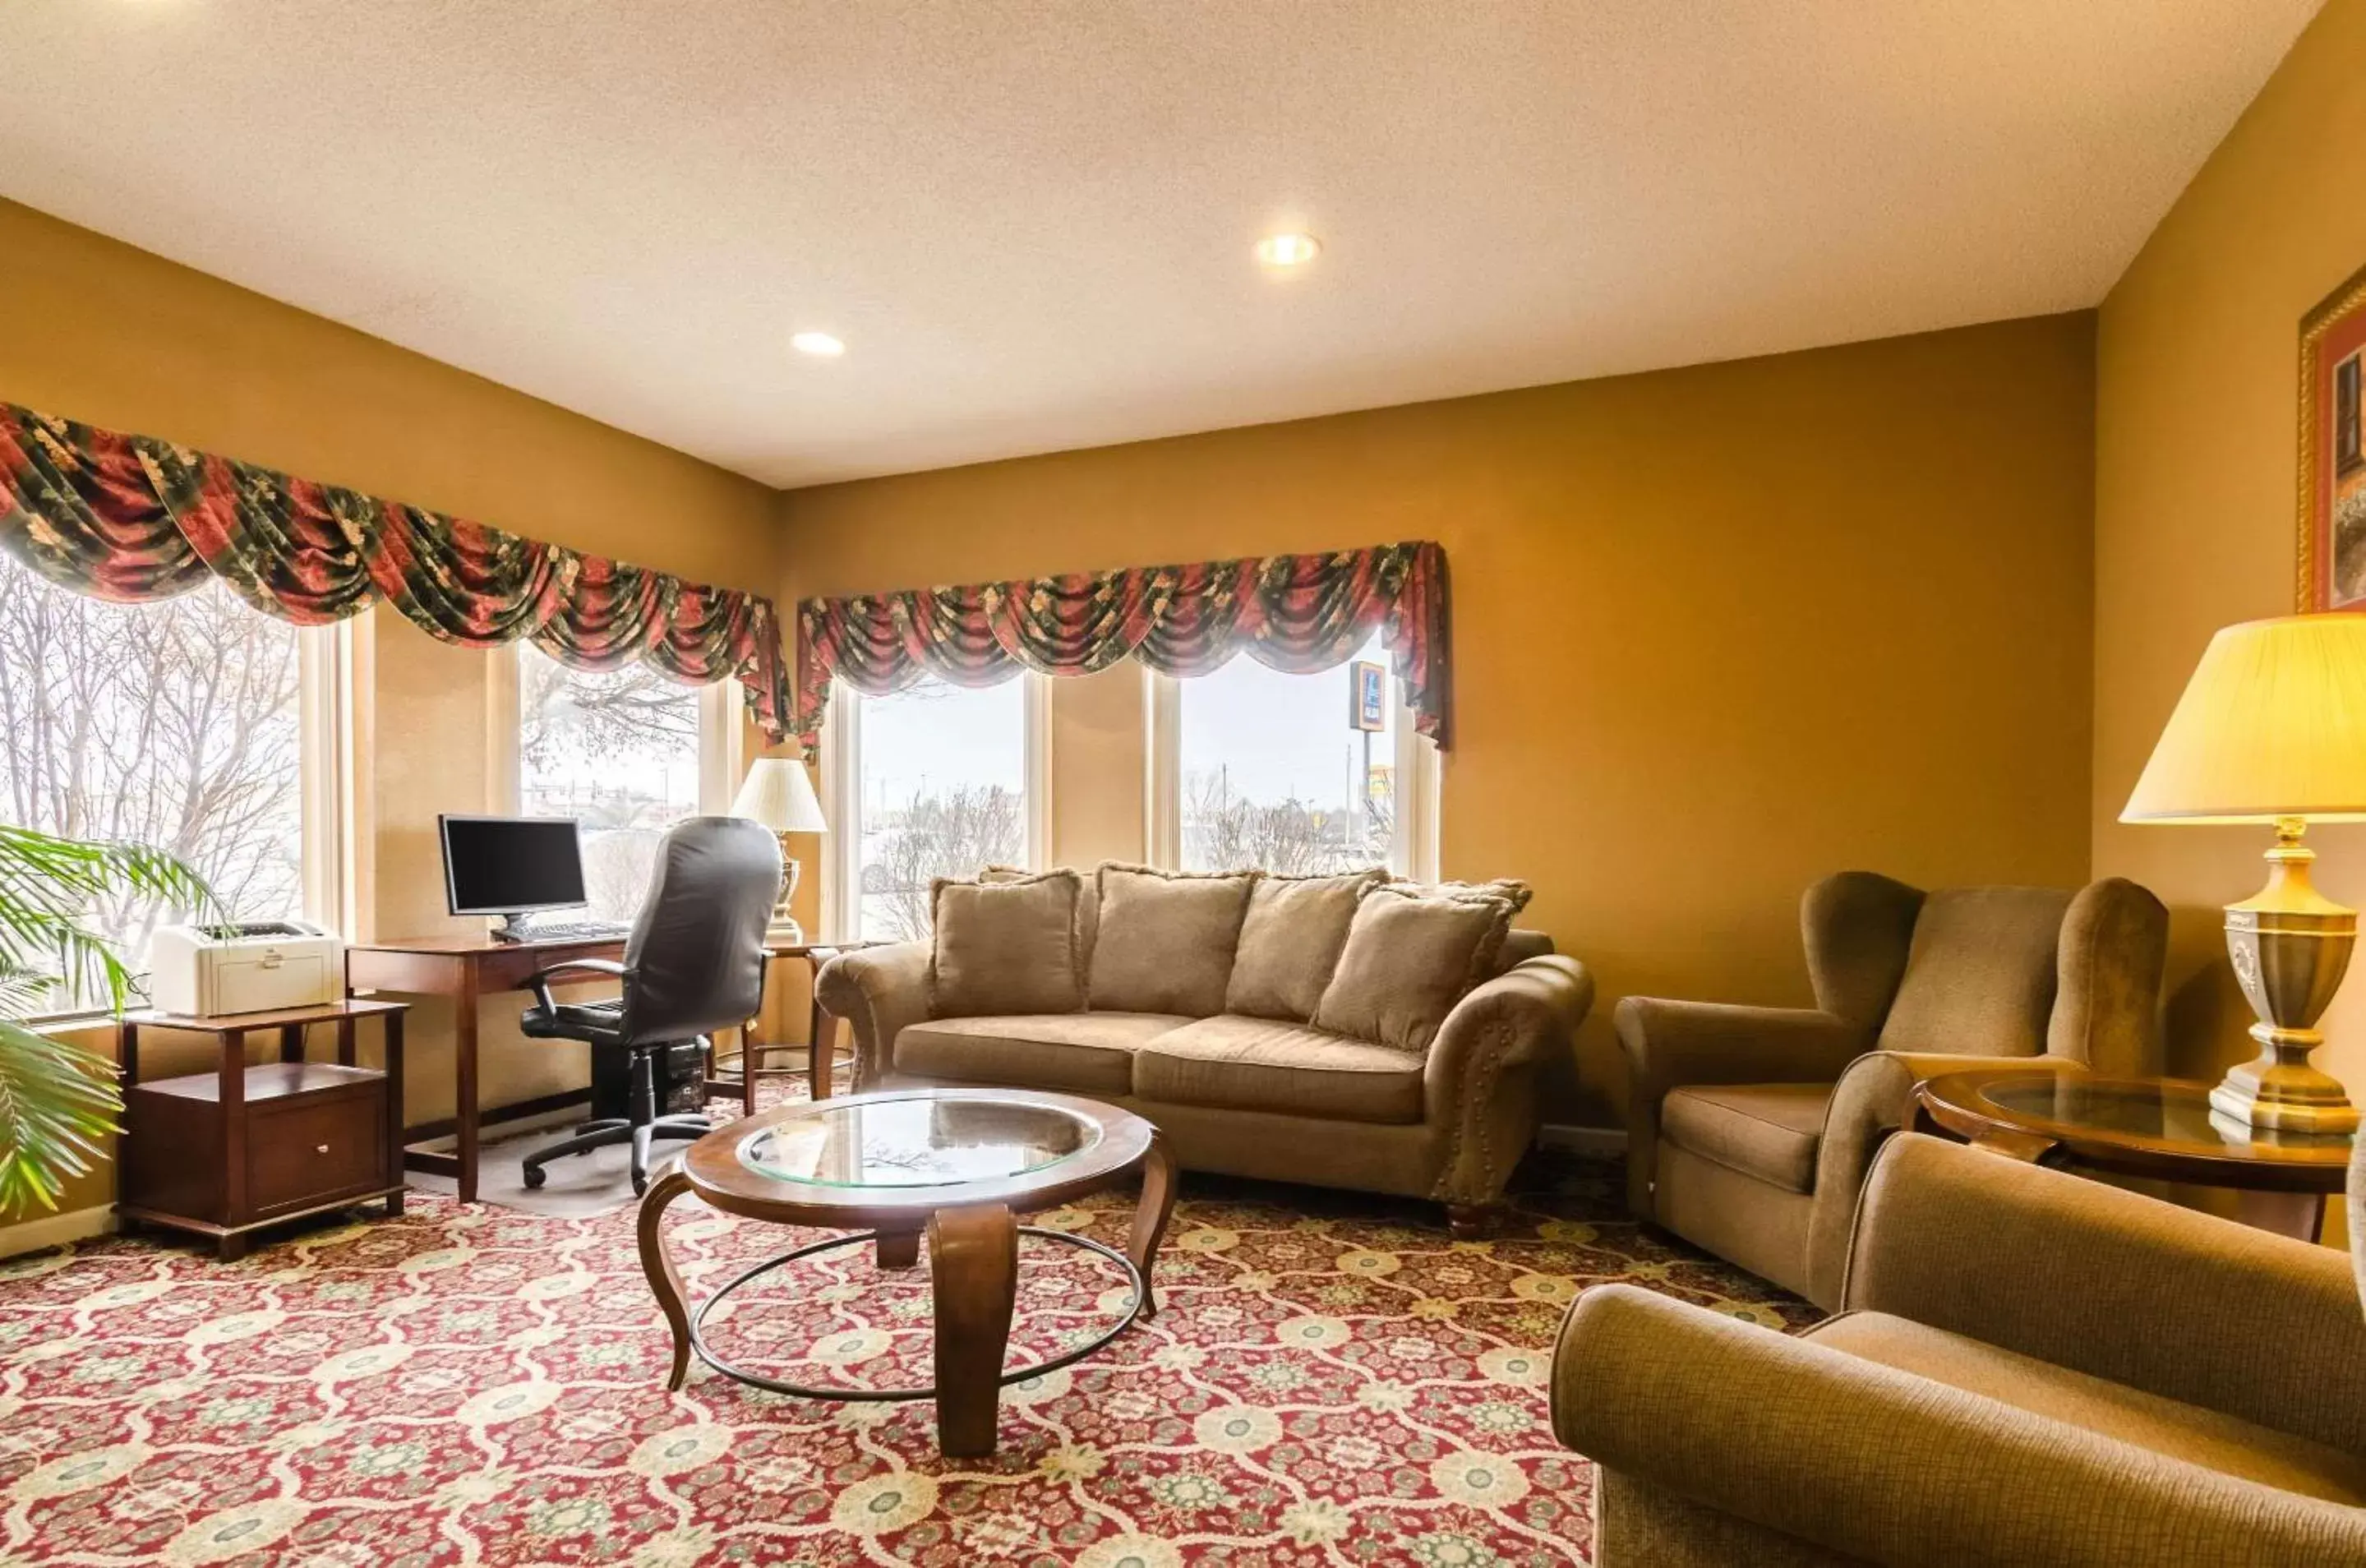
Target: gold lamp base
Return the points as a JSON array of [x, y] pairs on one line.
[[784, 927], [2290, 946]]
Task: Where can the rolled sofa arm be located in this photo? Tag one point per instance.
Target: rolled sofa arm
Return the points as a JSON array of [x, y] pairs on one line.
[[2113, 1285], [879, 991], [1874, 1099], [1670, 1044], [1475, 1080], [1881, 1466]]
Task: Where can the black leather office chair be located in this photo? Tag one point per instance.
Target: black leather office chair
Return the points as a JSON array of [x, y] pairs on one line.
[[694, 963]]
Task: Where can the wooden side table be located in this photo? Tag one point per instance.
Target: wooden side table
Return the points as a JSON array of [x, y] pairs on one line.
[[225, 1153], [821, 1060], [2160, 1129]]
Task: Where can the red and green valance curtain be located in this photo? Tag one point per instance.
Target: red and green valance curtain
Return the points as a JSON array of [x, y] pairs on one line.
[[1297, 614], [129, 518]]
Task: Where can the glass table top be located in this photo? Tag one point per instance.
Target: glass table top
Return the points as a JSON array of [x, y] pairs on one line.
[[2164, 1113], [925, 1141]]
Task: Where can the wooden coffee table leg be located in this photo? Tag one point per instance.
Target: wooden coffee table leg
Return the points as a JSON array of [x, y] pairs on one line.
[[974, 1270], [899, 1249], [1150, 1215], [665, 1280]]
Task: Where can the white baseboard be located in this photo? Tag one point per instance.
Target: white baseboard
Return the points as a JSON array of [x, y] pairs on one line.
[[56, 1230], [1582, 1140]]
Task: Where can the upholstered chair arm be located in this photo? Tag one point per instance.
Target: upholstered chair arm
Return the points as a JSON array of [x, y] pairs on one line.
[[1670, 1044], [1874, 1099], [1877, 1465], [2108, 964], [2113, 1285], [878, 991], [1477, 1080]]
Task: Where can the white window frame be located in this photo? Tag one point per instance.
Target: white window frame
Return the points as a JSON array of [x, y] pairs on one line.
[[1412, 836], [841, 765]]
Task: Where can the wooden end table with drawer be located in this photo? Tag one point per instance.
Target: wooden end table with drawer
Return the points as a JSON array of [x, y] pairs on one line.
[[226, 1153]]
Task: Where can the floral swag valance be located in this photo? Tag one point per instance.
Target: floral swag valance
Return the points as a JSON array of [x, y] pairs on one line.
[[132, 519], [1298, 614]]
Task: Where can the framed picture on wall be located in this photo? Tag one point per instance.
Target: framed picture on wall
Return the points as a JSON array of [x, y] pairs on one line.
[[2333, 451]]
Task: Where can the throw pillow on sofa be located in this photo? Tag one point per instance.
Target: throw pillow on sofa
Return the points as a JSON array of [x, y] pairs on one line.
[[1005, 945], [1412, 953], [1166, 939], [1290, 941]]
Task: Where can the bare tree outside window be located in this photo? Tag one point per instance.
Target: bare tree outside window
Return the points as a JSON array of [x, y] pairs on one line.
[[1276, 775], [174, 725], [617, 750], [943, 794]]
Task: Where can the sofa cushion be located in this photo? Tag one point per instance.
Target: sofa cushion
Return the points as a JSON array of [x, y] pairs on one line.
[[1255, 1064], [1003, 946], [2190, 1432], [1411, 954], [1166, 939], [1089, 1053], [1767, 1129], [1290, 941]]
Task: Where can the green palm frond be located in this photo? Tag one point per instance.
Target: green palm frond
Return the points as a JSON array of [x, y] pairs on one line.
[[56, 1101], [47, 886]]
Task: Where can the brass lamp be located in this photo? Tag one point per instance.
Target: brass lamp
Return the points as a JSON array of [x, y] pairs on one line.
[[2273, 728], [778, 794]]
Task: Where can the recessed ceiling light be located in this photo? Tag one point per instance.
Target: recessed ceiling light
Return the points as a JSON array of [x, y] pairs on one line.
[[1288, 250], [820, 345]]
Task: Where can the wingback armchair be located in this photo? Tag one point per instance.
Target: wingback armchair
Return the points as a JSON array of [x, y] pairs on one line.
[[2030, 1367], [1749, 1129]]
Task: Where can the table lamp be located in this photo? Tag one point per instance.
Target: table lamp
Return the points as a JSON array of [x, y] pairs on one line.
[[778, 794], [2273, 728]]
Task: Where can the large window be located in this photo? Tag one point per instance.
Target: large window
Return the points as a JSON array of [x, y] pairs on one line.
[[936, 780], [1297, 774], [182, 724], [619, 751]]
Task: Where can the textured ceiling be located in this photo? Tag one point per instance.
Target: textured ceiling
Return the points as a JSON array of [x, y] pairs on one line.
[[1031, 221]]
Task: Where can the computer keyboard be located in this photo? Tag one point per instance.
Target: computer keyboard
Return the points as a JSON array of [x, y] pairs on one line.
[[570, 930]]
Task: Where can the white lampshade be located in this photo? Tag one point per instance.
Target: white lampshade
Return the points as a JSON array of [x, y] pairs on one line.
[[2273, 724], [778, 794]]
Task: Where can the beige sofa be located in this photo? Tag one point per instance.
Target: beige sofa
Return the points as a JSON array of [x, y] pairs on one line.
[[2030, 1368], [1272, 1098], [1750, 1129]]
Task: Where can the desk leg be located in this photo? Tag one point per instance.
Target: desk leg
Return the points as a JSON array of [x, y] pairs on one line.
[[345, 1041], [291, 1042], [464, 1064], [232, 1095], [394, 1176]]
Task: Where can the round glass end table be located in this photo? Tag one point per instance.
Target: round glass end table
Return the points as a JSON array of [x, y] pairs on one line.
[[957, 1164], [2160, 1129]]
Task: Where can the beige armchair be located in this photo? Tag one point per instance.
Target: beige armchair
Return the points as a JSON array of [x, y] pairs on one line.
[[1749, 1130], [2030, 1368]]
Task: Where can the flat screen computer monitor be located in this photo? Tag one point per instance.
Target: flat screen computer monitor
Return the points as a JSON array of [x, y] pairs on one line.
[[506, 865]]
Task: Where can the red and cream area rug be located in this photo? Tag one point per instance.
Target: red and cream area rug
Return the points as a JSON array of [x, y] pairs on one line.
[[1330, 1381]]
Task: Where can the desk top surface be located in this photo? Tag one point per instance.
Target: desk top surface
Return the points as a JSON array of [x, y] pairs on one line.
[[471, 946], [318, 1012]]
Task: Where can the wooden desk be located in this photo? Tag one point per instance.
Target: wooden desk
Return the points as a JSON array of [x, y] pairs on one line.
[[470, 968], [466, 969]]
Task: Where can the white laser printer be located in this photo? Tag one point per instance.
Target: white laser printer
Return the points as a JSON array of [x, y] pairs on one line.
[[210, 970]]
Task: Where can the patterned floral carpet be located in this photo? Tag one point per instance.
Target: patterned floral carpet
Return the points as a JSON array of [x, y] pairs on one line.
[[1332, 1381]]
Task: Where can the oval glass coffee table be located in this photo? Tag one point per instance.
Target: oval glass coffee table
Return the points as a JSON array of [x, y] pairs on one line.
[[957, 1164], [2162, 1129]]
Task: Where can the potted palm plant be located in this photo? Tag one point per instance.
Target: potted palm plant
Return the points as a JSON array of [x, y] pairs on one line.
[[57, 1099]]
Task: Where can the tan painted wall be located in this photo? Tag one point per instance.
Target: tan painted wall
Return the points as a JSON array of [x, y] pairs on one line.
[[102, 331], [2195, 479], [1718, 631]]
